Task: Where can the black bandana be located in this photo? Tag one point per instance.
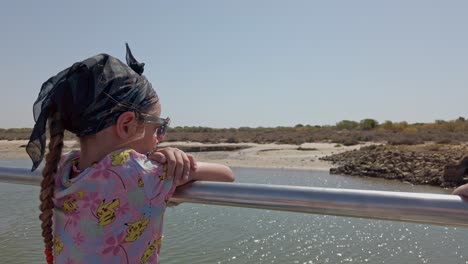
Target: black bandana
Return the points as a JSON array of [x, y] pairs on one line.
[[89, 96]]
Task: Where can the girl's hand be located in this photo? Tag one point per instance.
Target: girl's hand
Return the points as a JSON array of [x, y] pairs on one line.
[[462, 190], [179, 164]]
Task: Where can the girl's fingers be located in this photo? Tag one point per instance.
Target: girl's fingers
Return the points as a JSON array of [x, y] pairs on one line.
[[179, 167], [158, 157], [187, 167], [171, 161], [193, 162]]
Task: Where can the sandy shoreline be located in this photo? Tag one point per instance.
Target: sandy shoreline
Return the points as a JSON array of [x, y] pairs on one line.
[[257, 156]]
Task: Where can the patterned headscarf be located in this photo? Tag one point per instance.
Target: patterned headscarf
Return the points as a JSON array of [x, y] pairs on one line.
[[89, 97]]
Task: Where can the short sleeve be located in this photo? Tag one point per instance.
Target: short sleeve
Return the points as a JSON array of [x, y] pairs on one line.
[[169, 185], [154, 178]]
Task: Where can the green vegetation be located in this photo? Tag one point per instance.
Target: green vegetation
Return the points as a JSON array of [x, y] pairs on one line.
[[347, 124], [368, 124], [345, 132]]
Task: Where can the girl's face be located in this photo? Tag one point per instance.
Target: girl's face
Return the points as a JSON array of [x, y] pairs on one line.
[[148, 140]]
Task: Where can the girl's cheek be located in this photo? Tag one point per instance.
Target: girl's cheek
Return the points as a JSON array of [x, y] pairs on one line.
[[155, 141]]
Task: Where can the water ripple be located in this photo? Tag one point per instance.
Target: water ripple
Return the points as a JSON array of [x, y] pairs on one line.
[[214, 234]]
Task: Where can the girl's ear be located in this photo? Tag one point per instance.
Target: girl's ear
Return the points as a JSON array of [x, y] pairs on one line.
[[126, 125]]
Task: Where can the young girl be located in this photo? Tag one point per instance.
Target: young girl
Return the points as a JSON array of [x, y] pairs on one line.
[[105, 202]]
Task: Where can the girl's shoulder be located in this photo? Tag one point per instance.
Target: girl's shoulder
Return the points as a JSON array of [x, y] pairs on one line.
[[127, 164], [130, 157], [118, 158], [67, 157]]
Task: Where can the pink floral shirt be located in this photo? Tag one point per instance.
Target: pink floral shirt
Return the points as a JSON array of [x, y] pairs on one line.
[[111, 212]]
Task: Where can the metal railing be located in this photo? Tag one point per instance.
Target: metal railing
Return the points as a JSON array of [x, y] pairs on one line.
[[397, 206]]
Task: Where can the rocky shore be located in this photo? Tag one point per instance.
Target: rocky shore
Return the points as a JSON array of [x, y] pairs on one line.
[[416, 164]]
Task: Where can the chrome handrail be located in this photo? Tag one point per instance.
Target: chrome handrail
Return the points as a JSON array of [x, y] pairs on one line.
[[428, 208]]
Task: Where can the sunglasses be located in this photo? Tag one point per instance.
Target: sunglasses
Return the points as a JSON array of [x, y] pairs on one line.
[[163, 124]]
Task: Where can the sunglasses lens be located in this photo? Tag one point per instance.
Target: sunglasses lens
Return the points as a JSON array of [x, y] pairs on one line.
[[161, 131]]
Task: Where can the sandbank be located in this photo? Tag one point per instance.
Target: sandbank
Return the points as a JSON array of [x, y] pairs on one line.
[[305, 156]]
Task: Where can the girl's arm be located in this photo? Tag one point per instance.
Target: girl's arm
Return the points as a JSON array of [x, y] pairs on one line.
[[210, 172], [180, 165]]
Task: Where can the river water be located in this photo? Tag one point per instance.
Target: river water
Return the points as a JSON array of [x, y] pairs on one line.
[[216, 234]]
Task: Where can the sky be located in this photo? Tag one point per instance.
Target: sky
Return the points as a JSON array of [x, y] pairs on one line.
[[251, 63]]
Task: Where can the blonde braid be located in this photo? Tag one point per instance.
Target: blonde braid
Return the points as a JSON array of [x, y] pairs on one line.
[[48, 184]]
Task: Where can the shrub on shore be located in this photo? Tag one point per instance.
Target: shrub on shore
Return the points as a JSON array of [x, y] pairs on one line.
[[346, 132]]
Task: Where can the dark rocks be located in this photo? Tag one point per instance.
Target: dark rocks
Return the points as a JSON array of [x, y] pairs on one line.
[[456, 172], [205, 148], [453, 173], [417, 164]]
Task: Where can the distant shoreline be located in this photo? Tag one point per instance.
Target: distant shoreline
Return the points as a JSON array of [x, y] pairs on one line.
[[305, 156], [414, 164]]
